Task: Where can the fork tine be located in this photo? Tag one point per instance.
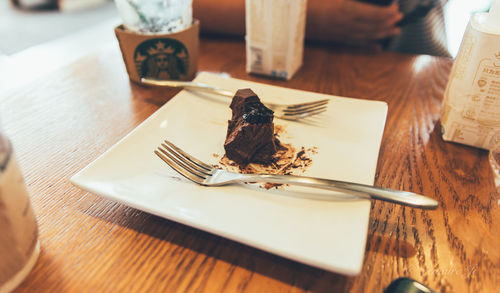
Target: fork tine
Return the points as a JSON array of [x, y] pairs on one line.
[[313, 113], [181, 163], [308, 104], [305, 110], [295, 116], [298, 116], [189, 157], [186, 163], [179, 169]]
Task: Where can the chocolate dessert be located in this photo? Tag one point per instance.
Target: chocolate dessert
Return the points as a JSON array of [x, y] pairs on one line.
[[250, 133]]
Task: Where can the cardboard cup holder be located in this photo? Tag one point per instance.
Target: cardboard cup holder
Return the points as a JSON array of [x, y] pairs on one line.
[[171, 56]]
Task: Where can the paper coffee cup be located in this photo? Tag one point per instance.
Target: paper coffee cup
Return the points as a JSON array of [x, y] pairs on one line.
[[19, 245], [160, 56]]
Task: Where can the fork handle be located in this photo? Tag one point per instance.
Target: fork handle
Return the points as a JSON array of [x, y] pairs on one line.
[[361, 190], [189, 85]]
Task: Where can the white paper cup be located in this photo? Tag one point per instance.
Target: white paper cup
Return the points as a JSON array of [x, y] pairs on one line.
[[19, 245]]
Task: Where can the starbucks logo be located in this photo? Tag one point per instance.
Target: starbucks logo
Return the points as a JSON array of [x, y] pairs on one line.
[[161, 59]]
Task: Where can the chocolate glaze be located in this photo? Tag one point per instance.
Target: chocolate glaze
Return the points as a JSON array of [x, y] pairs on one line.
[[250, 133]]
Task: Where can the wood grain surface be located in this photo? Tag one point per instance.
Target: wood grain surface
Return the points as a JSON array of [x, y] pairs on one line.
[[61, 122]]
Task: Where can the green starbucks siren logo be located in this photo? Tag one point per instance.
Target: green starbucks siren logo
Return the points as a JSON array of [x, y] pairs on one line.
[[161, 59]]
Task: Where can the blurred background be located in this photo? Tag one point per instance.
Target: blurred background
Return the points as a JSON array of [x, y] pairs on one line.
[[23, 27]]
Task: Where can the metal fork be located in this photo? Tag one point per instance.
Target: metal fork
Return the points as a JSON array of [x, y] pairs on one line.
[[282, 111], [204, 174]]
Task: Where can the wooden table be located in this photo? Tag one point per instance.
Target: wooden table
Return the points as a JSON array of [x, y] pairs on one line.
[[64, 120]]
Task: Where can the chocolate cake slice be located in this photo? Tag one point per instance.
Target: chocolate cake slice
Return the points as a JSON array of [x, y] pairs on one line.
[[250, 133]]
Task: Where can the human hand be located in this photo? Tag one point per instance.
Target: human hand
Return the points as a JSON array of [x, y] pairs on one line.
[[360, 23]]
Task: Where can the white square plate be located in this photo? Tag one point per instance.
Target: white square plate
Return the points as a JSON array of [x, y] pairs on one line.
[[327, 234]]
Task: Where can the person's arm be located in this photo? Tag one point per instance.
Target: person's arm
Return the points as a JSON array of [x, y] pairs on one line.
[[343, 21], [352, 22], [228, 16], [220, 16]]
